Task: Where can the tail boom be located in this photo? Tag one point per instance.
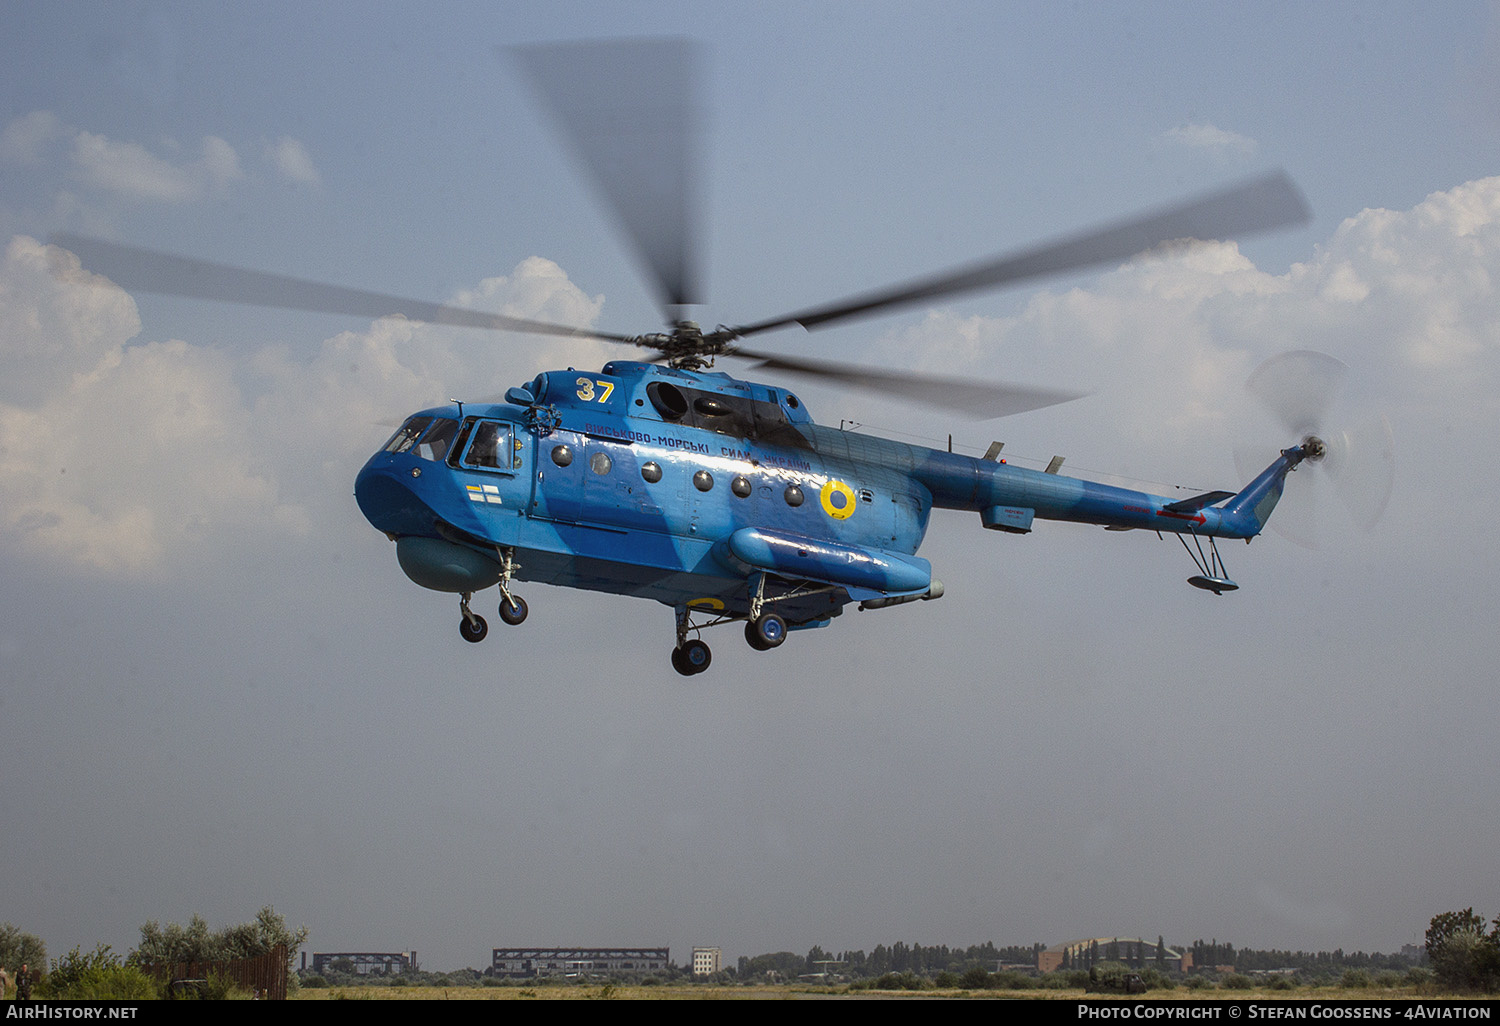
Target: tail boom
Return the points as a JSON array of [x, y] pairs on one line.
[[1009, 498]]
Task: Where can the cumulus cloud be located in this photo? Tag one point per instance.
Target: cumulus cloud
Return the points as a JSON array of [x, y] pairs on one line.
[[1405, 298], [174, 174], [1212, 139], [536, 290], [109, 449], [56, 321], [130, 170], [26, 139], [127, 456], [292, 161], [145, 451]]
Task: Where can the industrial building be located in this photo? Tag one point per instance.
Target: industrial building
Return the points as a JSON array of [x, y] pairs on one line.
[[529, 962], [363, 962], [1130, 950], [707, 961]]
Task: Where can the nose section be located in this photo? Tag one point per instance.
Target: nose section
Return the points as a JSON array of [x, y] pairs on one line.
[[385, 492]]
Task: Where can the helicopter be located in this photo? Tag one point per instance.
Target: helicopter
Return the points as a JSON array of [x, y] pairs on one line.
[[719, 497]]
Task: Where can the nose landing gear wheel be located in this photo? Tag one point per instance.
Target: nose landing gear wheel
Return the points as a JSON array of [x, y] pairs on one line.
[[692, 658], [513, 610], [473, 630], [765, 632]]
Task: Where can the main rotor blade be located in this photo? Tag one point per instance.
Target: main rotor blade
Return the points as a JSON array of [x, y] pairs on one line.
[[628, 108], [1262, 204], [150, 271], [982, 400]]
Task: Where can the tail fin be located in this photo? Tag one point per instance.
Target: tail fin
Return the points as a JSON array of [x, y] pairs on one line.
[[1252, 507]]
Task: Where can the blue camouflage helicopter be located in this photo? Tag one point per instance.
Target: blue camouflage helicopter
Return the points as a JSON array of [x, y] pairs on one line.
[[718, 497]]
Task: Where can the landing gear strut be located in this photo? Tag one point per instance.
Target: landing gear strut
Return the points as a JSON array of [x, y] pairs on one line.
[[689, 657], [1211, 576], [764, 631], [512, 607], [471, 625]]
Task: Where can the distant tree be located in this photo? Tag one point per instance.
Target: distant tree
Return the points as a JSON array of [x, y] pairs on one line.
[[17, 947], [1462, 955], [194, 942], [1108, 977], [197, 943], [1444, 927], [1161, 954], [975, 979], [97, 975], [787, 965], [1355, 979]]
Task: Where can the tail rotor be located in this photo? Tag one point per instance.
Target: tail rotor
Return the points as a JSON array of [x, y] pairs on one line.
[[1308, 394]]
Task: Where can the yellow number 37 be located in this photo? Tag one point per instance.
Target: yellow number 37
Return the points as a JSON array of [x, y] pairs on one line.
[[586, 391]]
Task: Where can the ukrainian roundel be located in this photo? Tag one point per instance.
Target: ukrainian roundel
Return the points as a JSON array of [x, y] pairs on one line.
[[838, 500]]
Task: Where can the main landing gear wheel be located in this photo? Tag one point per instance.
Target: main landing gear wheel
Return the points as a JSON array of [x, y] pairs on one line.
[[692, 658], [765, 632], [474, 629], [513, 610]]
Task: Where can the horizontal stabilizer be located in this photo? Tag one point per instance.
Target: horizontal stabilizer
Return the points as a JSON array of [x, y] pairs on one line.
[[1197, 502]]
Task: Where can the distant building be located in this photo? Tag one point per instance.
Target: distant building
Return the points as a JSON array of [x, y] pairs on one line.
[[528, 962], [1075, 952], [364, 962], [707, 961]]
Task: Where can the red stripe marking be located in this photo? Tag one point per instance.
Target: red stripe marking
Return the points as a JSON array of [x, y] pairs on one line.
[[1199, 519]]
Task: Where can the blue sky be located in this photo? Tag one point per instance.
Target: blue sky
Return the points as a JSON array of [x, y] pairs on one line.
[[220, 692]]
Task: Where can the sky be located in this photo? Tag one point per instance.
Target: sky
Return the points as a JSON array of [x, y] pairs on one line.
[[218, 691]]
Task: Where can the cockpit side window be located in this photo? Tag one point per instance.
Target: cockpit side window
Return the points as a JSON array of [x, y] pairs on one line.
[[490, 447]]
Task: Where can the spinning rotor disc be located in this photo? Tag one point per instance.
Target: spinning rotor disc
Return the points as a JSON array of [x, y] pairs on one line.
[[630, 112], [1306, 392]]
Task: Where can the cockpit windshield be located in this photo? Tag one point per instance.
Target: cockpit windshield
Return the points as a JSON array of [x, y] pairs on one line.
[[434, 444], [427, 437], [406, 436]]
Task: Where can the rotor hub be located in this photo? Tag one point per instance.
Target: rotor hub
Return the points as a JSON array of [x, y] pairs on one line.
[[686, 347], [1314, 448]]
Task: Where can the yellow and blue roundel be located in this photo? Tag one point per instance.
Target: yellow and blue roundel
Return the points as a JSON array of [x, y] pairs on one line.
[[838, 500]]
